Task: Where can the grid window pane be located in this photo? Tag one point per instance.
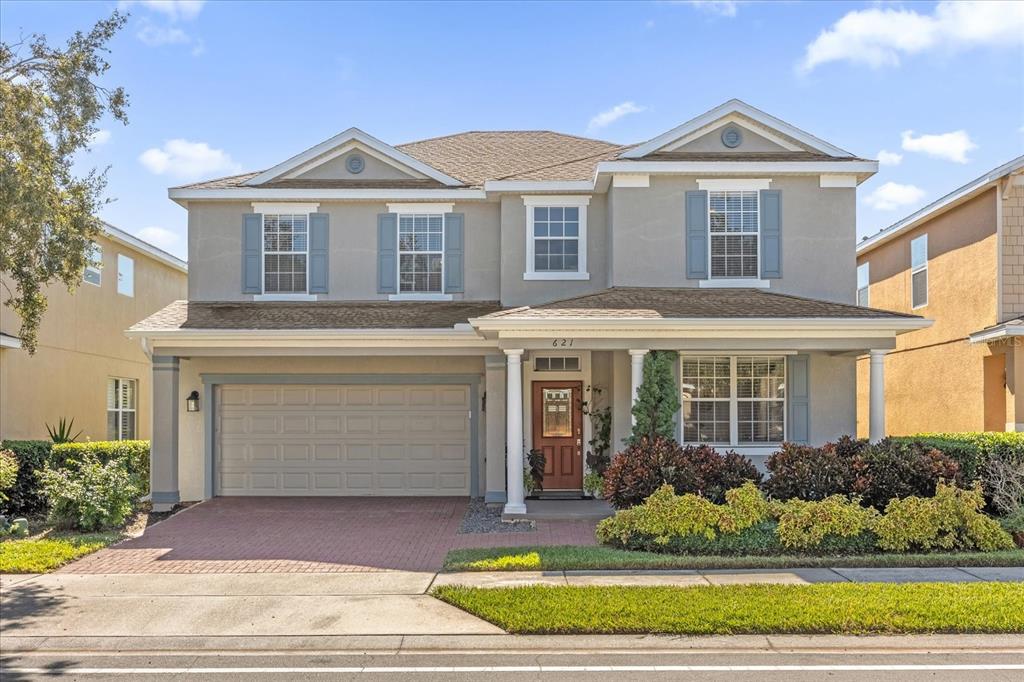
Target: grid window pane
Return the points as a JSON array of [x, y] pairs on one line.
[[761, 395], [421, 253], [705, 390], [556, 231], [733, 222], [121, 414], [285, 242]]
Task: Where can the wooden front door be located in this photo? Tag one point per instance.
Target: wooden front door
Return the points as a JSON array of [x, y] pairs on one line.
[[558, 432]]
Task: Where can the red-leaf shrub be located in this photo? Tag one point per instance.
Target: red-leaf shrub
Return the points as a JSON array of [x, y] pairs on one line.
[[810, 473], [891, 469], [640, 469]]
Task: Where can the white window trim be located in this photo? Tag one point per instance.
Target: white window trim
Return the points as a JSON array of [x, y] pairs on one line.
[[919, 268], [735, 283], [570, 201], [733, 400], [420, 297], [121, 258], [734, 185], [278, 295], [867, 284], [418, 209], [121, 410], [98, 269]]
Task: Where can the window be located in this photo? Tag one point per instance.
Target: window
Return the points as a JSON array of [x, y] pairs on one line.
[[557, 415], [125, 275], [919, 271], [733, 400], [863, 279], [285, 245], [420, 253], [93, 271], [558, 364], [733, 222], [556, 237], [121, 409]]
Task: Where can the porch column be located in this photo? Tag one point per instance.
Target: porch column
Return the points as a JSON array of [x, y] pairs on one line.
[[876, 395], [516, 503], [636, 361], [494, 416], [163, 467]]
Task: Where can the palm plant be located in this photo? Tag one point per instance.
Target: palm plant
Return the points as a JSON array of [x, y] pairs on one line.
[[62, 432]]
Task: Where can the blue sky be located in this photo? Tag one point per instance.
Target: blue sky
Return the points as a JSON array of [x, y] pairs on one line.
[[219, 87]]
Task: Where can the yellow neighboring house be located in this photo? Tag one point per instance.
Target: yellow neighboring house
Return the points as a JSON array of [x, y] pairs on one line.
[[84, 367], [960, 262]]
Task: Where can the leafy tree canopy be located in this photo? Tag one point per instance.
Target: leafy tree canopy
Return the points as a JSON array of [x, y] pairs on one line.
[[50, 103]]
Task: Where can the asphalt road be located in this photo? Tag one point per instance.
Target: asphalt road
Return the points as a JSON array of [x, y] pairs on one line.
[[518, 666]]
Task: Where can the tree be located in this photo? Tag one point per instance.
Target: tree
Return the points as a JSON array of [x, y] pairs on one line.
[[657, 400], [50, 103]]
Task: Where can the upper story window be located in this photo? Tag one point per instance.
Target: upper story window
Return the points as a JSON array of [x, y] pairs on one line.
[[125, 275], [863, 279], [420, 253], [733, 222], [734, 400], [94, 269], [919, 271], [556, 237], [285, 253]]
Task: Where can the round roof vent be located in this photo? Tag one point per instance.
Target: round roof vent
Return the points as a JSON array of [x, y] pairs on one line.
[[732, 137], [355, 164]]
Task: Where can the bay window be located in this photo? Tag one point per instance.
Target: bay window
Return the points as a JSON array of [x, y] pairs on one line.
[[733, 400]]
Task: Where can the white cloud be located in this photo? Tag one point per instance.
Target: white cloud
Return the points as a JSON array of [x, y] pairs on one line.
[[880, 36], [172, 9], [154, 35], [606, 118], [184, 159], [722, 8], [950, 146], [893, 195], [887, 158], [99, 138], [159, 237], [162, 24]]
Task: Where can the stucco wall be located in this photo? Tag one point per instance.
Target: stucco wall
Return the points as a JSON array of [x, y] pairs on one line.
[[81, 343], [818, 233], [936, 379]]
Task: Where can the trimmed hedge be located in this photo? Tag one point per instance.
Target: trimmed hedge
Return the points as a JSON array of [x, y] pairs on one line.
[[26, 498], [971, 450], [134, 454]]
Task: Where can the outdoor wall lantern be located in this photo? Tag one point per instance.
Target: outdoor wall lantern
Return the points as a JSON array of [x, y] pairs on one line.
[[192, 402]]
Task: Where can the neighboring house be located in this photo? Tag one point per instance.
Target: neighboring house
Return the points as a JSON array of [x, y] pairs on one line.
[[369, 319], [84, 367], [960, 262]]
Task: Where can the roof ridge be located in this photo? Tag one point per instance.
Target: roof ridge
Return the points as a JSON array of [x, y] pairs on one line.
[[561, 163], [506, 131]]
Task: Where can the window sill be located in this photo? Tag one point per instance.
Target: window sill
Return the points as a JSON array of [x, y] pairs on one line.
[[555, 276], [420, 297], [739, 283], [284, 297]]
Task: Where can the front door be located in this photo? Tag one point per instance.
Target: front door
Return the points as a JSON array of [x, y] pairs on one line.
[[558, 432]]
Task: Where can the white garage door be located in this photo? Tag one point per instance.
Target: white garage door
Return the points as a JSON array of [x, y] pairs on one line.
[[343, 440]]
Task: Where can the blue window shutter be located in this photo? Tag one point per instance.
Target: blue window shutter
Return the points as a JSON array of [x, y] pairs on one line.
[[252, 250], [454, 252], [387, 253], [697, 235], [771, 233], [798, 397], [319, 231]]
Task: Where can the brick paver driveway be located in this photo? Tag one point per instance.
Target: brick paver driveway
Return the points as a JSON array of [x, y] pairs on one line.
[[313, 534]]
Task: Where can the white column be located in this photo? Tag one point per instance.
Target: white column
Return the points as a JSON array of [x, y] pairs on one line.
[[876, 396], [516, 503], [636, 360]]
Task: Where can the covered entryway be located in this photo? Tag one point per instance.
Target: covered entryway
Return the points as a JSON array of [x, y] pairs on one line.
[[342, 439], [558, 432]]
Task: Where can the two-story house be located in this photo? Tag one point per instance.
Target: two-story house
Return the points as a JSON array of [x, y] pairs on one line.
[[960, 262], [84, 367], [369, 319]]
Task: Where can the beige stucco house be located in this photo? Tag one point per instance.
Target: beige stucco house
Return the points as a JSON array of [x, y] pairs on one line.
[[960, 262], [370, 319], [84, 367]]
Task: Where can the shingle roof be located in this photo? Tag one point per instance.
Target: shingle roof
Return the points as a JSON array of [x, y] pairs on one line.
[[224, 315], [649, 303]]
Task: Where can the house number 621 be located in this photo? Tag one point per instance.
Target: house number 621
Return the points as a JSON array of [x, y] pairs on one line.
[[562, 343]]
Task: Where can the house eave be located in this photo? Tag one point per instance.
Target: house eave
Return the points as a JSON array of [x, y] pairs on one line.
[[184, 194]]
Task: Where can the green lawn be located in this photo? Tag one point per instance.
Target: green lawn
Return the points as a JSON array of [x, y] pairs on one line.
[[835, 608], [43, 554], [569, 557]]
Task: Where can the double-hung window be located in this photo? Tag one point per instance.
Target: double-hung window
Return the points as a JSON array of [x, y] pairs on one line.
[[121, 408], [556, 237], [919, 271], [863, 280], [733, 224], [420, 253], [734, 400], [94, 268], [285, 253]]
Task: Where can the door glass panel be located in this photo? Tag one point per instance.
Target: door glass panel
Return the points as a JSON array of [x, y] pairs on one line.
[[557, 412]]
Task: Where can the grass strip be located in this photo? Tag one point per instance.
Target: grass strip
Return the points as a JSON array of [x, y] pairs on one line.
[[41, 555], [834, 608], [581, 557]]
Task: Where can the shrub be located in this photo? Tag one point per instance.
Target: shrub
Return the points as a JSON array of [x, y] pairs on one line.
[[952, 519], [8, 472], [972, 450], [89, 495], [891, 469], [133, 454], [805, 525], [640, 469], [809, 473], [593, 483], [1014, 523], [657, 399], [1003, 483], [25, 498]]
